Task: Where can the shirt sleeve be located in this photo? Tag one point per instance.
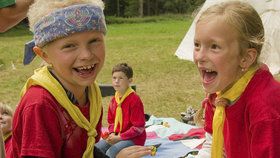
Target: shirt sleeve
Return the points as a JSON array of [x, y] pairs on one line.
[[6, 3], [138, 123], [41, 131], [110, 116], [265, 139]]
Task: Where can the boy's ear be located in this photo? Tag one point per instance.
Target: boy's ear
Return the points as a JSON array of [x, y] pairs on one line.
[[39, 51], [248, 58], [130, 80]]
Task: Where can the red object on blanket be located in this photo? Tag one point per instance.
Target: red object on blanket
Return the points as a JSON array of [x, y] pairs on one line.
[[105, 135], [192, 133]]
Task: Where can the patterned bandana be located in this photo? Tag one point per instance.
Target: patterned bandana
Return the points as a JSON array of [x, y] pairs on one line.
[[64, 22]]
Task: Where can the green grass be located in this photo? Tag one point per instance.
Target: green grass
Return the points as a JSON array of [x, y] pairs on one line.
[[166, 84]]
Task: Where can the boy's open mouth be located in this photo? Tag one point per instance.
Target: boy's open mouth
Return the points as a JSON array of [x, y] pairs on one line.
[[85, 69]]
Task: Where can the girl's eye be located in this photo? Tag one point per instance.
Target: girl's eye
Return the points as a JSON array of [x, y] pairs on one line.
[[196, 45], [214, 46], [5, 113]]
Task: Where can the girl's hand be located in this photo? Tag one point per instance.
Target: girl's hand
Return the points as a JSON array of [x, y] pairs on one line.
[[134, 152]]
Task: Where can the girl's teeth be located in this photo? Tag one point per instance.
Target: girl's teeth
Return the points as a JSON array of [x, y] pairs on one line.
[[208, 70]]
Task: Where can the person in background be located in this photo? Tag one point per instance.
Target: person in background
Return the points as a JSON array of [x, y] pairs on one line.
[[242, 112], [61, 102], [125, 128], [12, 12], [6, 117], [2, 146]]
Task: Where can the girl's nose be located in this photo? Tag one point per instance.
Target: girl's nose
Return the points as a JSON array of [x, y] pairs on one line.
[[199, 55]]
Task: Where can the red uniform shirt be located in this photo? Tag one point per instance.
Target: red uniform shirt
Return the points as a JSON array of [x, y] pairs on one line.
[[133, 126], [252, 123], [43, 128], [9, 147]]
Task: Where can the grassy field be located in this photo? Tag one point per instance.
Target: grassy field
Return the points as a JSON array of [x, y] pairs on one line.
[[165, 84]]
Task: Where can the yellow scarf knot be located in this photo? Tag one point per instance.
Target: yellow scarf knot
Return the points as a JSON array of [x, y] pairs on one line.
[[92, 133], [43, 78], [6, 136], [222, 100]]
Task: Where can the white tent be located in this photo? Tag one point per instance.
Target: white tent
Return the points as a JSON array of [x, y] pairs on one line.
[[269, 11]]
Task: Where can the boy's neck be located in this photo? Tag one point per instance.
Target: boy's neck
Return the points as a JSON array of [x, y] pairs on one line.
[[122, 92]]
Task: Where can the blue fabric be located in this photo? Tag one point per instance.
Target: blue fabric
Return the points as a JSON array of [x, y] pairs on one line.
[[168, 149], [68, 20], [113, 150], [29, 54], [64, 22]]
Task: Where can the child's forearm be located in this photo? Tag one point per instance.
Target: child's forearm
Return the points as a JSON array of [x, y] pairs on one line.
[[132, 132]]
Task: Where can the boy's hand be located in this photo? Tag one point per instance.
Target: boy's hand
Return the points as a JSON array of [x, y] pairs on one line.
[[113, 139]]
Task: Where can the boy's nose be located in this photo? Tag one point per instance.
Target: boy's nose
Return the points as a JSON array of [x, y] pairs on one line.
[[86, 53]]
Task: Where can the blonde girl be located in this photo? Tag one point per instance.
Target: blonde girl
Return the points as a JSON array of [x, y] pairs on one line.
[[242, 112]]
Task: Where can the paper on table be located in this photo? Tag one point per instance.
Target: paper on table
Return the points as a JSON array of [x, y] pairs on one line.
[[192, 143]]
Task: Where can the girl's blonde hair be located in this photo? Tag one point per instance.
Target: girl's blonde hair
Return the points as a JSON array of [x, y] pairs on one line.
[[243, 18], [7, 109], [41, 8]]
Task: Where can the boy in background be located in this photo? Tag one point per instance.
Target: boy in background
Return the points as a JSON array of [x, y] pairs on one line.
[[125, 127]]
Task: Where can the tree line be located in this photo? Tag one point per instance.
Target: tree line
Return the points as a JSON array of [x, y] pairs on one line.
[[140, 8]]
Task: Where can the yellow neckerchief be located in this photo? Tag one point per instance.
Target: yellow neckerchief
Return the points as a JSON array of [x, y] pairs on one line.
[[119, 117], [219, 116], [6, 136], [42, 77]]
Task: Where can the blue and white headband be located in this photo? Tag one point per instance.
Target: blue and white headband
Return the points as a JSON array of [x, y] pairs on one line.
[[64, 22]]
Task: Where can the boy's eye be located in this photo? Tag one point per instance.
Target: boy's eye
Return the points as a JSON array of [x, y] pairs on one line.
[[93, 41], [68, 46]]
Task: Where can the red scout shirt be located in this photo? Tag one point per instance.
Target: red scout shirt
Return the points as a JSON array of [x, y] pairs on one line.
[[133, 127], [43, 128], [8, 147], [252, 124]]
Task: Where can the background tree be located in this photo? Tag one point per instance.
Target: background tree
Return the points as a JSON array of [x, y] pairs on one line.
[[135, 8]]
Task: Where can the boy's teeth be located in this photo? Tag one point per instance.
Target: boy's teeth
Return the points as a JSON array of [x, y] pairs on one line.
[[208, 70], [86, 67]]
